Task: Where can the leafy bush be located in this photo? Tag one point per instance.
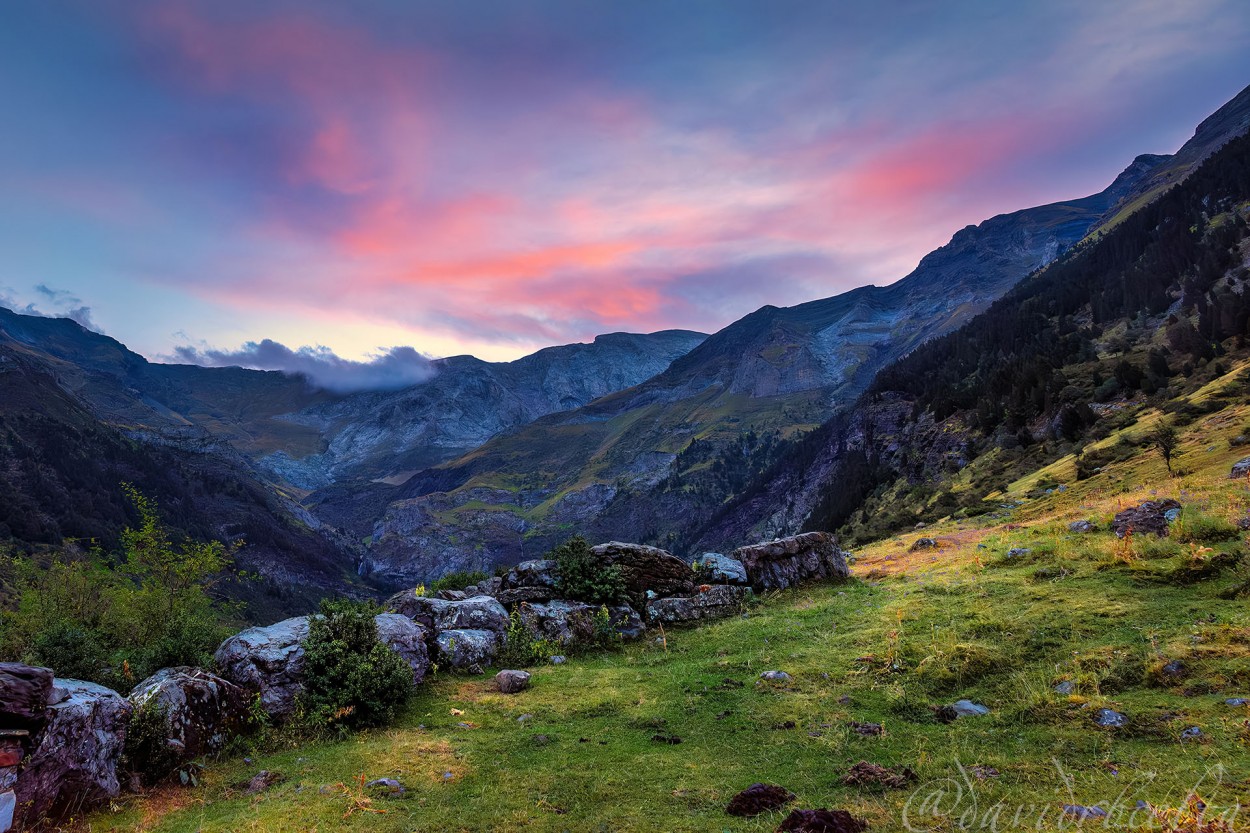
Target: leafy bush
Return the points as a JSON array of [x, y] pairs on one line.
[[116, 620], [457, 580], [521, 649], [585, 578], [350, 677], [147, 752]]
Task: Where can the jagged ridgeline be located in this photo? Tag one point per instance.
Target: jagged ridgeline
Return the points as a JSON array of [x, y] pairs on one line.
[[1157, 304]]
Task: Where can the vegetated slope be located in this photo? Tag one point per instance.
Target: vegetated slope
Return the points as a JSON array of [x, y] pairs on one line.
[[61, 470], [1157, 303], [656, 461], [1154, 629]]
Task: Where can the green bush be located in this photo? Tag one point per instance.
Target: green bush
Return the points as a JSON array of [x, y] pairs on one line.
[[457, 580], [585, 578], [350, 677], [521, 649], [115, 620], [147, 752]]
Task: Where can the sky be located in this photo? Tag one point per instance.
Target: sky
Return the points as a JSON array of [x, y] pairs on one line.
[[373, 182]]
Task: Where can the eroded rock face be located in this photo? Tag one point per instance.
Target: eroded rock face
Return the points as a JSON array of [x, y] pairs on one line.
[[566, 622], [468, 648], [648, 568], [202, 711], [73, 761], [788, 561], [477, 613], [722, 569], [717, 602], [24, 692], [268, 661], [1144, 519], [406, 638]]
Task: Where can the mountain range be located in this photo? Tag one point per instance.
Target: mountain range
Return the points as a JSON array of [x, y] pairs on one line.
[[673, 438]]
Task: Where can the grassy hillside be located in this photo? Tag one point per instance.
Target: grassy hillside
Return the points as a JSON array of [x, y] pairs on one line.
[[912, 630]]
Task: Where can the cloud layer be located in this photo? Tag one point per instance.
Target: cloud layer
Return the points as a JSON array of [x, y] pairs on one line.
[[494, 182], [389, 369]]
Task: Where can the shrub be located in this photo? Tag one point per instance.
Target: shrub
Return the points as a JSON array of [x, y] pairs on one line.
[[521, 649], [585, 578], [457, 580], [147, 752], [350, 677]]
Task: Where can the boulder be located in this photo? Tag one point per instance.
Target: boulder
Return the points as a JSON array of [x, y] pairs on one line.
[[775, 677], [477, 613], [529, 581], [566, 623], [922, 544], [788, 561], [1240, 469], [722, 569], [967, 708], [24, 691], [1110, 718], [512, 682], [72, 765], [468, 648], [406, 638], [647, 568], [452, 595], [486, 587], [1082, 527], [269, 661], [717, 602], [202, 711], [1143, 519]]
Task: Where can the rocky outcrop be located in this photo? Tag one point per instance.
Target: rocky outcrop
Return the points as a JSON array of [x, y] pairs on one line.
[[73, 762], [477, 613], [647, 568], [788, 561], [469, 649], [721, 569], [717, 602], [1144, 519], [268, 661], [408, 639], [201, 710], [566, 622]]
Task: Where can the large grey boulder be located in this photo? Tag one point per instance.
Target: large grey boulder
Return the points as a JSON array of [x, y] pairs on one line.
[[717, 602], [1145, 518], [201, 710], [268, 661], [530, 581], [566, 622], [647, 568], [406, 638], [477, 613], [788, 561], [467, 649], [722, 569], [24, 692], [73, 761]]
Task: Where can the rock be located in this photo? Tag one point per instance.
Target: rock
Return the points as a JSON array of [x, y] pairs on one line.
[[922, 544], [557, 659], [1065, 688], [24, 691], [1082, 527], [788, 561], [1079, 811], [268, 661], [1240, 469], [1192, 733], [647, 568], [867, 730], [202, 711], [1146, 518], [1018, 552], [1110, 719], [408, 639], [867, 774], [568, 623], [467, 648], [759, 798], [389, 785], [541, 572], [717, 602], [775, 677], [73, 762], [451, 595], [967, 708], [512, 682], [1237, 701], [722, 569], [822, 821], [488, 587], [263, 780], [1172, 515], [1174, 669], [481, 613]]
